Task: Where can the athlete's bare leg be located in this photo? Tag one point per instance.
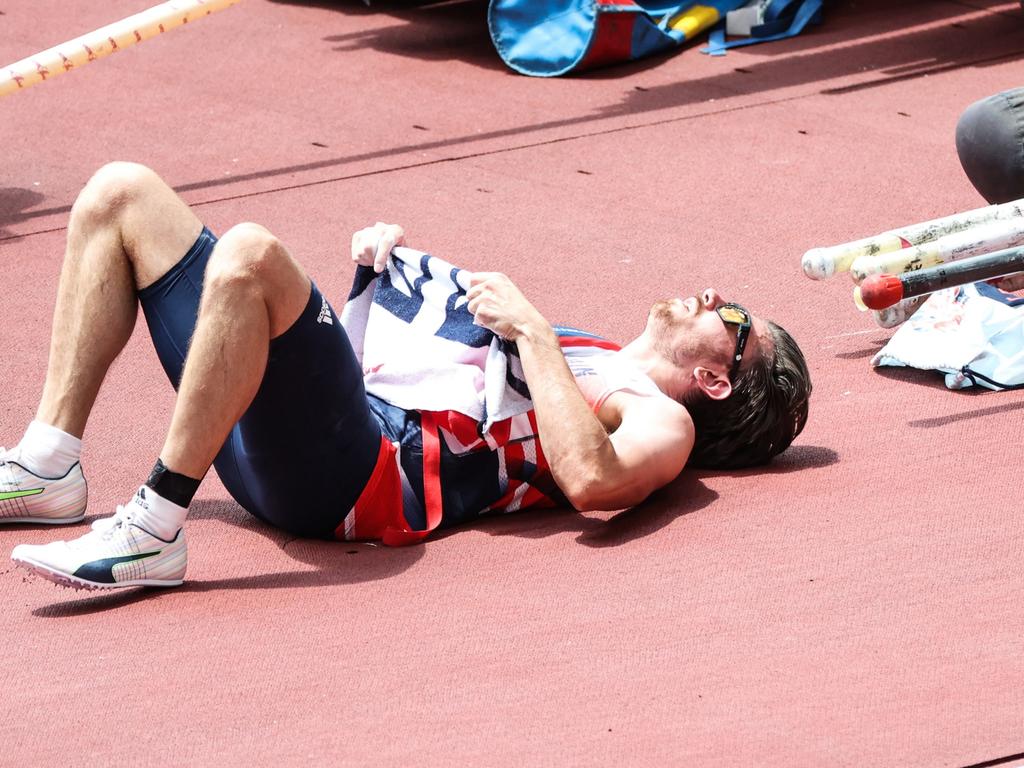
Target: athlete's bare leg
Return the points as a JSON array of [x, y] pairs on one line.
[[127, 228]]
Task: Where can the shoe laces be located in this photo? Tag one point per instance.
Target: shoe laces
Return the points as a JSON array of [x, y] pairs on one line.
[[107, 527], [9, 455]]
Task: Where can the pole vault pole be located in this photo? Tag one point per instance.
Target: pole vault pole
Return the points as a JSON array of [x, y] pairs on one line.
[[104, 41]]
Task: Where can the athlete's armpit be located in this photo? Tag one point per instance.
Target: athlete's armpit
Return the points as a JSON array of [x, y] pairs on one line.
[[650, 440]]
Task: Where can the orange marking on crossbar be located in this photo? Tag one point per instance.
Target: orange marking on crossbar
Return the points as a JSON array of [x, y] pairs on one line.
[[68, 66], [16, 78], [43, 71], [88, 50], [161, 28], [113, 44], [138, 37]]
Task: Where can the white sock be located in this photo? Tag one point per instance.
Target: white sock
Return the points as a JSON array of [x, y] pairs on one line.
[[157, 515], [47, 451]]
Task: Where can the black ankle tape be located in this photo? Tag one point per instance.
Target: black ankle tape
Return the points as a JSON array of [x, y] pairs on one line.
[[177, 489]]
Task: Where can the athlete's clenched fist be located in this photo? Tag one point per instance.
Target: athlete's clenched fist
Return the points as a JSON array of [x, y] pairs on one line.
[[500, 307]]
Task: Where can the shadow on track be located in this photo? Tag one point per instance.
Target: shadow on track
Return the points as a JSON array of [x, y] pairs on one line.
[[794, 459], [685, 495], [340, 563], [14, 202], [913, 54], [442, 30], [333, 564], [941, 421], [433, 31], [928, 379], [860, 354], [949, 43]]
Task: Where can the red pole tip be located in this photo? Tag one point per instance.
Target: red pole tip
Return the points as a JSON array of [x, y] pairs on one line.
[[881, 291]]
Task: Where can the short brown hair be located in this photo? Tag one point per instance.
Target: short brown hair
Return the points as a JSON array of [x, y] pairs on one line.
[[766, 410]]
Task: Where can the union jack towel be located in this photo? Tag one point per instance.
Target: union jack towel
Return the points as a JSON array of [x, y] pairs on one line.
[[420, 350], [419, 347]]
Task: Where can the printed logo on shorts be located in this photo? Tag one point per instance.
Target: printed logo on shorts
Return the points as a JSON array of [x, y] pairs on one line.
[[325, 313]]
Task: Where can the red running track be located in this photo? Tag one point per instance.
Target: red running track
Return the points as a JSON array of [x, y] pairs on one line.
[[857, 603]]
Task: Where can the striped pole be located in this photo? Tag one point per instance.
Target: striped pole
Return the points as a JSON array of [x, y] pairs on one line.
[[971, 242], [821, 263], [104, 41]]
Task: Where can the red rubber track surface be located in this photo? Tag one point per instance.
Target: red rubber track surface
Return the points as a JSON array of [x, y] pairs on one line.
[[857, 603]]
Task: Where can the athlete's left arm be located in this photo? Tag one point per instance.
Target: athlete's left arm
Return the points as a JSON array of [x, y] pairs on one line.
[[651, 438]]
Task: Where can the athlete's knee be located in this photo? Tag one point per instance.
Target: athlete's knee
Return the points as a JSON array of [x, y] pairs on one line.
[[112, 190], [247, 252], [990, 144]]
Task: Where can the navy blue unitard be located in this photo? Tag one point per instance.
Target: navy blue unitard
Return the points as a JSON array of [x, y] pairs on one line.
[[305, 448]]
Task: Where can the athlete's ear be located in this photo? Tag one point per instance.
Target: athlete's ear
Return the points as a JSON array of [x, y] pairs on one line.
[[714, 384]]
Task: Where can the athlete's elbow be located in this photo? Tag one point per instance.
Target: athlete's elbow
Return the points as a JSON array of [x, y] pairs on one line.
[[582, 501], [583, 490], [588, 504], [596, 494]]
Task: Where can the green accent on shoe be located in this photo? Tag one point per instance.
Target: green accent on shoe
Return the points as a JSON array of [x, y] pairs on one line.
[[8, 495]]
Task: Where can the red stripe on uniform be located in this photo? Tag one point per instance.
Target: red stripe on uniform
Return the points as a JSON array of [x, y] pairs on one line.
[[534, 498], [587, 341], [381, 499], [401, 536], [501, 431], [463, 427]]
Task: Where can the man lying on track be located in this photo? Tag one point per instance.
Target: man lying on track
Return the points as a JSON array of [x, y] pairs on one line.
[[271, 393]]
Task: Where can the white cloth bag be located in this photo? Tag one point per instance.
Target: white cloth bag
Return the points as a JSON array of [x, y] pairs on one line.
[[974, 334]]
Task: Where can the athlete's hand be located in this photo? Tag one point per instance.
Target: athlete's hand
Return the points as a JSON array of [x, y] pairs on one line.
[[372, 246], [501, 308]]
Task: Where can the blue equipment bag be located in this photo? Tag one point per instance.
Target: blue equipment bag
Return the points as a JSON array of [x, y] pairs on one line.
[[546, 38]]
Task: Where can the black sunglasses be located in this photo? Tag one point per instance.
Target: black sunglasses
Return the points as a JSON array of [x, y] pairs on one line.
[[734, 314]]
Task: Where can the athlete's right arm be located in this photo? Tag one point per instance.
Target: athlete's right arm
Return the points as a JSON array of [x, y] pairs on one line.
[[372, 246], [652, 436], [597, 465]]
